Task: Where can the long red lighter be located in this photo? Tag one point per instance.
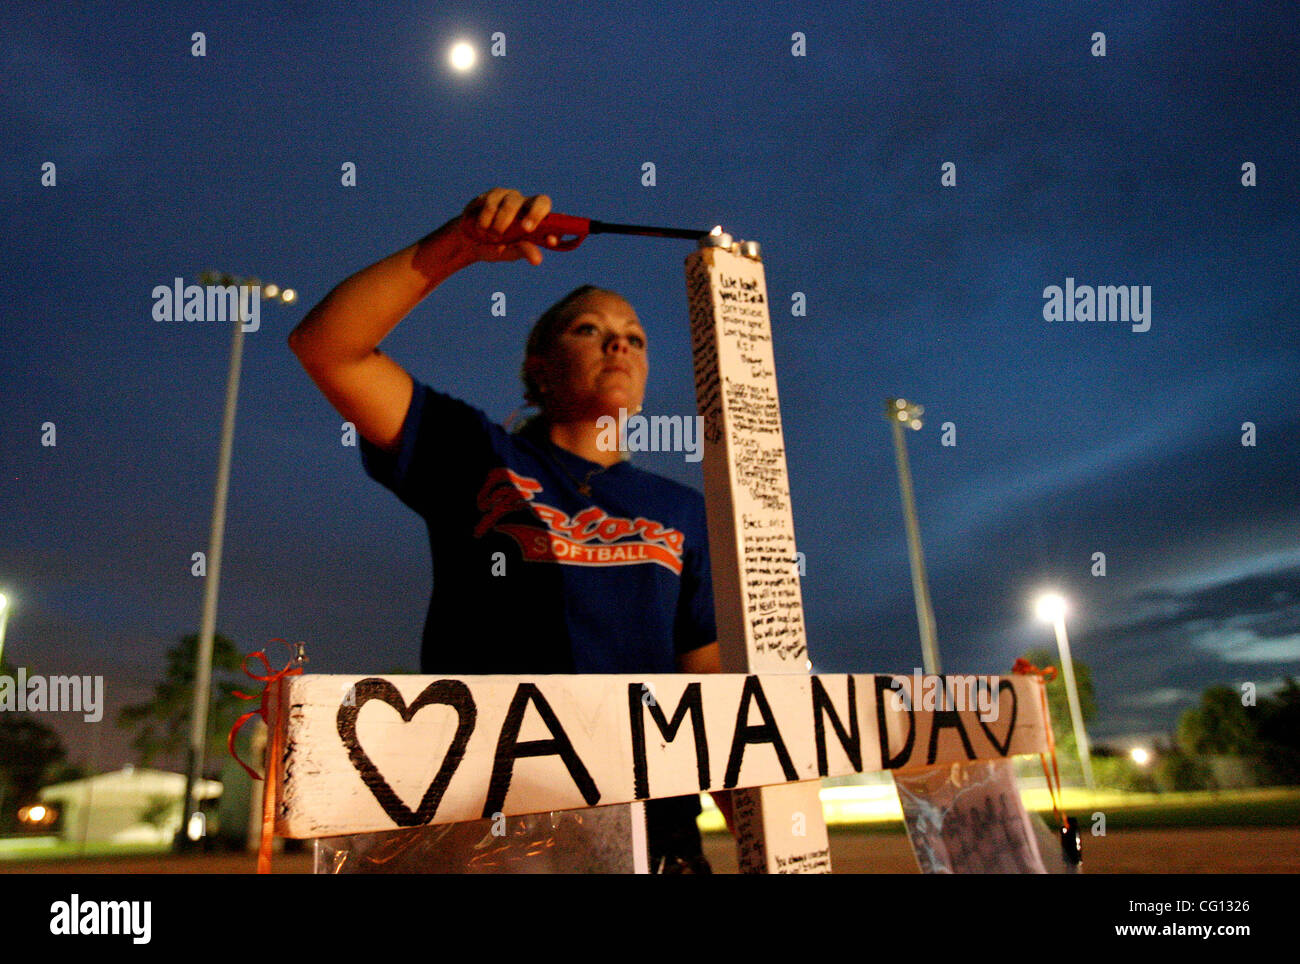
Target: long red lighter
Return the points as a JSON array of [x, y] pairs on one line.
[[571, 231]]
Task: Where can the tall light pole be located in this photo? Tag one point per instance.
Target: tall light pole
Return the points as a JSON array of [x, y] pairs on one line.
[[1051, 608], [212, 576], [899, 412], [6, 604], [4, 621]]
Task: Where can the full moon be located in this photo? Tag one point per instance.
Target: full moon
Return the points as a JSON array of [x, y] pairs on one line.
[[462, 56]]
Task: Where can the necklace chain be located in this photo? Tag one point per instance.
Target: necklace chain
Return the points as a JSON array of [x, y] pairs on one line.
[[584, 484]]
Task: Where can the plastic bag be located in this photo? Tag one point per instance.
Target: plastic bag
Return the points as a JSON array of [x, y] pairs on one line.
[[599, 840], [968, 818]]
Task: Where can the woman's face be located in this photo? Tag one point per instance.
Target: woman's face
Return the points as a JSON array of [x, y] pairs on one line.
[[598, 363]]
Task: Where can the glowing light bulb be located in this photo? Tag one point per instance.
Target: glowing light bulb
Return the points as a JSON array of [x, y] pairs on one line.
[[1051, 607]]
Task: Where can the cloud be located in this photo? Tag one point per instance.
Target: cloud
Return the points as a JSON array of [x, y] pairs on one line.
[[1264, 605], [1244, 645], [1165, 696]]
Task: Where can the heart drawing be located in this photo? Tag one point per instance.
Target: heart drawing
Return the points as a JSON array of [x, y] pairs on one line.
[[445, 692], [1003, 745]]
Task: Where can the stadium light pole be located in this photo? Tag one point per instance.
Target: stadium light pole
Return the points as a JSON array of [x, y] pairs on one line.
[[1051, 608], [900, 413], [212, 571], [5, 606]]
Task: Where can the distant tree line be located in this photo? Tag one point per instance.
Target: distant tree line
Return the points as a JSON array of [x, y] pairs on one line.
[[1234, 737], [1260, 733]]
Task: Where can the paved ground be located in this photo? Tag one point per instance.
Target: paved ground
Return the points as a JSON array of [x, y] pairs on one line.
[[1220, 850]]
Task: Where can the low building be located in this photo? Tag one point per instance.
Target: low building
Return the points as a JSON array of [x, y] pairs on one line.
[[130, 805]]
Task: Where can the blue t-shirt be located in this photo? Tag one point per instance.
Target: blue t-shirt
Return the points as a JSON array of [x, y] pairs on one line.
[[530, 575]]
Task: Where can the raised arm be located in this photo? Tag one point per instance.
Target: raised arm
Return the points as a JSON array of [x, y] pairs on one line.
[[338, 342]]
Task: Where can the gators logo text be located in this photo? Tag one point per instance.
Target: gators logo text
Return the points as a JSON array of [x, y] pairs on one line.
[[590, 538]]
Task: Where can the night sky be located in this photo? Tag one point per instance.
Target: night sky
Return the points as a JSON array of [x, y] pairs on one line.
[[1073, 437]]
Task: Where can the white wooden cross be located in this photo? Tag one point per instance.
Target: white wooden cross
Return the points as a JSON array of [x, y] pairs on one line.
[[364, 754]]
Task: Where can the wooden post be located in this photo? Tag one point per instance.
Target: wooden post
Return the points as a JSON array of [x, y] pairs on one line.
[[751, 529]]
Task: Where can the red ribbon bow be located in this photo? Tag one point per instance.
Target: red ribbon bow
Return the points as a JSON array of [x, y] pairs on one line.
[[270, 702], [291, 668], [1024, 667]]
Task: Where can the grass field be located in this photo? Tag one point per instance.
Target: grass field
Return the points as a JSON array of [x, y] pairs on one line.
[[874, 808], [41, 848], [1240, 808]]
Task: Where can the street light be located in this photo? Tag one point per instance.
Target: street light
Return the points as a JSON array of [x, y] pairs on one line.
[[899, 412], [212, 578], [1051, 608]]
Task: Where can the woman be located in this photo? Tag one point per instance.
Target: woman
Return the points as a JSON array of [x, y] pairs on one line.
[[551, 552]]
